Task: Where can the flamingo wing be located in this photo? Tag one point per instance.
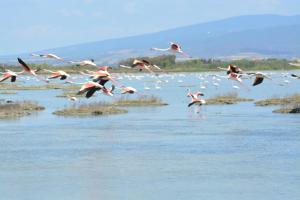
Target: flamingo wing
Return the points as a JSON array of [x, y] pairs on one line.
[[4, 77], [258, 80], [91, 92], [24, 65]]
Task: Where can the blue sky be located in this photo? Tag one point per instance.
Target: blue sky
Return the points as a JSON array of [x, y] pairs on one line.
[[29, 25]]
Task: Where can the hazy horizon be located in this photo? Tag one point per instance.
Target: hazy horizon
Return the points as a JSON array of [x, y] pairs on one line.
[[49, 24]]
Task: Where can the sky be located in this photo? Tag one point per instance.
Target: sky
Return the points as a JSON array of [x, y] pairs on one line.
[[31, 25]]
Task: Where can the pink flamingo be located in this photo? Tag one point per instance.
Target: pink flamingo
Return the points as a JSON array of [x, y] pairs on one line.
[[141, 65], [30, 71], [173, 48], [50, 55], [58, 74], [10, 74], [195, 98]]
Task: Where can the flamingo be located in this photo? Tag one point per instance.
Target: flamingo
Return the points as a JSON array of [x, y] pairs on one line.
[[30, 71], [84, 62], [89, 88], [10, 74], [173, 48], [259, 78], [142, 64], [195, 98], [232, 68], [58, 74], [129, 90], [295, 76], [50, 55]]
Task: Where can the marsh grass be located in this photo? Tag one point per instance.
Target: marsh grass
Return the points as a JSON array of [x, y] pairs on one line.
[[143, 100], [229, 98], [39, 87], [91, 109], [69, 94], [291, 108], [18, 109], [284, 101], [8, 92]]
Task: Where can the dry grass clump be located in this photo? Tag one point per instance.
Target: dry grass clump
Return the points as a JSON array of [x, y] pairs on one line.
[[292, 109], [8, 92], [38, 87], [69, 94], [91, 109], [230, 98], [293, 99], [143, 100], [18, 109]]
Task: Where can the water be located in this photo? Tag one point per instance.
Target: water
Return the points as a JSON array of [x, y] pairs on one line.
[[172, 152]]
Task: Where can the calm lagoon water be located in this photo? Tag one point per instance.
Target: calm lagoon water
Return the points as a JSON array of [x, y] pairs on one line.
[[173, 152]]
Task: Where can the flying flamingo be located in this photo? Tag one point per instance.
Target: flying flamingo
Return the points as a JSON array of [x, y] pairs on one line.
[[58, 74], [50, 55], [195, 98], [173, 48], [129, 90], [89, 88], [295, 76], [84, 62], [141, 65], [259, 78], [30, 71], [232, 68], [10, 74]]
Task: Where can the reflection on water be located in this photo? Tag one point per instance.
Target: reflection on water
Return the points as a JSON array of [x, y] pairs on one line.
[[172, 152]]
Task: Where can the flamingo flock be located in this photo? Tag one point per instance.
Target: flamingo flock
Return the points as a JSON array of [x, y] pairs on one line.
[[98, 79]]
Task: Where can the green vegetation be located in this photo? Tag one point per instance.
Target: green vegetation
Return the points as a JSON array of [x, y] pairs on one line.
[[293, 99], [18, 109], [91, 109], [143, 100], [169, 64], [230, 98]]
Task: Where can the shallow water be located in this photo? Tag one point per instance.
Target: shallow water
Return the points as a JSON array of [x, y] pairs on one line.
[[171, 152]]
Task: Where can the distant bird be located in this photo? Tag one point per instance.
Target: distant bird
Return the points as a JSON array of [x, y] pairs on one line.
[[71, 98], [295, 76], [232, 68], [89, 88], [58, 74], [259, 78], [129, 90], [84, 62], [51, 56], [173, 48], [30, 71], [9, 74], [195, 98], [141, 65]]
